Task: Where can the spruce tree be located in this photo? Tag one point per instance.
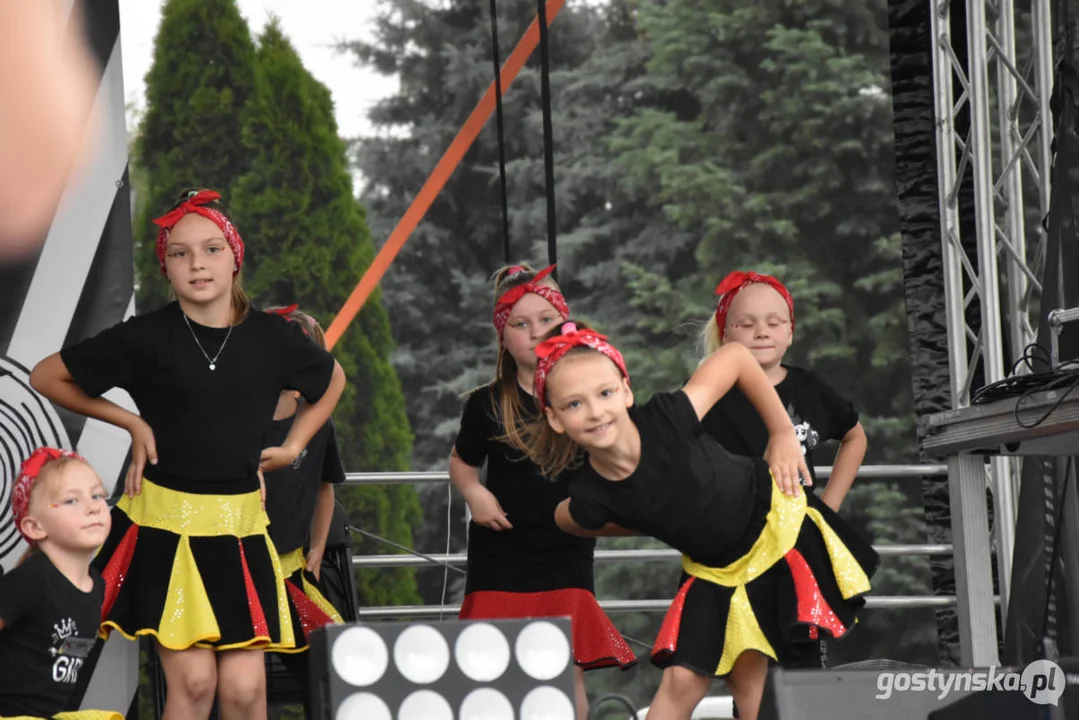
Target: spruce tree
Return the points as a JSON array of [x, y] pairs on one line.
[[201, 78], [309, 244]]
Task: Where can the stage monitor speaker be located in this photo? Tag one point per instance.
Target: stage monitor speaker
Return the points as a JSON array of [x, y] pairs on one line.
[[886, 695]]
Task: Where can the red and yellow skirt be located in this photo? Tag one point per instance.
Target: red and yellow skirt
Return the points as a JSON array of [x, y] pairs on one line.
[[308, 607], [806, 573], [194, 570], [596, 641]]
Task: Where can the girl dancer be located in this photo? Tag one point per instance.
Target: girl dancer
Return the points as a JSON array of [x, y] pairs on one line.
[[50, 604], [762, 557], [519, 563], [300, 502], [189, 561], [758, 312]]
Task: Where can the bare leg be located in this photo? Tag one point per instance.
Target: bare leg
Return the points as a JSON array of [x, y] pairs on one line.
[[582, 695], [679, 692], [191, 676], [746, 683], [241, 684]]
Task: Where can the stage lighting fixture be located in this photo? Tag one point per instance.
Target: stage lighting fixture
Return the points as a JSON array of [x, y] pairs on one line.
[[453, 670]]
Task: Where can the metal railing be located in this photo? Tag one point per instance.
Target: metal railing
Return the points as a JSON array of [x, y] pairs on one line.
[[868, 472]]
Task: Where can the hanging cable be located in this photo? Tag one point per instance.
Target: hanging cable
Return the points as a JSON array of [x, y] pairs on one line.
[[496, 58], [548, 133], [410, 551]]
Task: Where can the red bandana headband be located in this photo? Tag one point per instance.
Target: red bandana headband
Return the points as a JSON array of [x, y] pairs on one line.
[[733, 284], [550, 351], [24, 484], [196, 203], [511, 297]]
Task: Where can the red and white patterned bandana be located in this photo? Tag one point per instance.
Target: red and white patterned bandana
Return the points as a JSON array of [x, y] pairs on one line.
[[733, 284], [553, 349], [24, 484], [196, 203], [511, 297]]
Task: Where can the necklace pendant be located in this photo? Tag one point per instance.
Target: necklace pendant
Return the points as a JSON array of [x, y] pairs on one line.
[[212, 366]]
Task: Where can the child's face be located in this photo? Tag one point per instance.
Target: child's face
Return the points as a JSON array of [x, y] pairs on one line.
[[760, 319], [199, 262], [528, 322], [589, 400], [68, 508]]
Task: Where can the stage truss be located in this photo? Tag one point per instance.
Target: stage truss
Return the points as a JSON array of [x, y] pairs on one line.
[[1003, 82]]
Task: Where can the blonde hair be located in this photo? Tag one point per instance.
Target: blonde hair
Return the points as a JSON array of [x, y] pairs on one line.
[[511, 411], [308, 324], [50, 469], [711, 338]]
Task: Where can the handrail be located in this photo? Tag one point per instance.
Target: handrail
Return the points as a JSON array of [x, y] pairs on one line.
[[645, 555], [867, 472], [655, 605]]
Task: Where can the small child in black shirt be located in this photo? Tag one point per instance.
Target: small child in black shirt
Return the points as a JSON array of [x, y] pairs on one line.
[[50, 604], [758, 312]]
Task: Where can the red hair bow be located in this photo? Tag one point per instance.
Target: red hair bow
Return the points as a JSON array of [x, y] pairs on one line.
[[286, 311], [196, 203], [553, 349], [730, 286], [24, 484], [511, 297]]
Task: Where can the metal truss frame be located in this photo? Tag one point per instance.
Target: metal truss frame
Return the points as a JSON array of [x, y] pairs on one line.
[[1004, 87]]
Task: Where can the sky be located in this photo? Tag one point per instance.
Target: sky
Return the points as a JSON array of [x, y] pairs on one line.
[[313, 26]]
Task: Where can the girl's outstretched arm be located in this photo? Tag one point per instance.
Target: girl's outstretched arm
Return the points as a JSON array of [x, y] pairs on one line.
[[733, 364]]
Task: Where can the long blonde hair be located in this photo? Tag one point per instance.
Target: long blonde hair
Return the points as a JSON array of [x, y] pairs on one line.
[[511, 411]]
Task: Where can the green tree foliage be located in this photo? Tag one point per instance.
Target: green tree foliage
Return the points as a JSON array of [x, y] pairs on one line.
[[201, 78], [309, 244]]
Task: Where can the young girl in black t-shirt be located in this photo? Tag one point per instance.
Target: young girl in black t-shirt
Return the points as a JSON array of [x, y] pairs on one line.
[[189, 561], [519, 563], [758, 312], [50, 604], [300, 503], [762, 557]]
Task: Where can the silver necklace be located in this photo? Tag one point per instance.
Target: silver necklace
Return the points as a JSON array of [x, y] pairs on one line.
[[213, 360]]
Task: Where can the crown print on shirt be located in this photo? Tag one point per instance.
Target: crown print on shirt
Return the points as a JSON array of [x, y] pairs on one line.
[[70, 651]]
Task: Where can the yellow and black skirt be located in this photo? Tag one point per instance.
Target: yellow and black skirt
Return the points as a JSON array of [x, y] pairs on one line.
[[194, 570], [308, 607], [805, 573]]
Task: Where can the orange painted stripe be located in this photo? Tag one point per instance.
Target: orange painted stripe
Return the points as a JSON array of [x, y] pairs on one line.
[[438, 178]]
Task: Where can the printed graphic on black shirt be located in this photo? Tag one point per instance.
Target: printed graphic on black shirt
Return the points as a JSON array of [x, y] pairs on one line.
[[805, 432], [69, 651]]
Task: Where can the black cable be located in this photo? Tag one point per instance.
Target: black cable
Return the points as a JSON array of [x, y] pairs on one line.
[[1056, 544], [548, 134], [408, 550], [593, 709], [496, 58]]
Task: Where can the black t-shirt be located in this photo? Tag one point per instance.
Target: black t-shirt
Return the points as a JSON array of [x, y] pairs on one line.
[[209, 425], [687, 491], [535, 555], [292, 491], [49, 630], [818, 411]]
